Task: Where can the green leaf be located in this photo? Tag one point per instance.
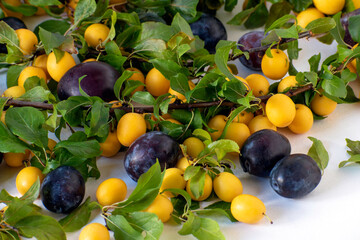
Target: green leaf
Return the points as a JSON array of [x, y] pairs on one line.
[[333, 85], [321, 25], [19, 209], [143, 98], [225, 206], [145, 191], [181, 25], [147, 224], [44, 2], [311, 77], [32, 193], [13, 74], [197, 183], [156, 30], [26, 122], [354, 146], [37, 94], [50, 40], [99, 117], [169, 68], [318, 152], [291, 32], [300, 5], [351, 160], [233, 90], [230, 5], [122, 228], [41, 227], [222, 58], [258, 18], [314, 62], [220, 148], [79, 217], [278, 10], [293, 50], [184, 7], [120, 81], [202, 134], [84, 9], [191, 171], [239, 18], [9, 142], [193, 222], [72, 109], [353, 27], [280, 22], [25, 9], [8, 35], [338, 32], [85, 149]]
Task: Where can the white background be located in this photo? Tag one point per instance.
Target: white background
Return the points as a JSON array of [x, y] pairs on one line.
[[331, 211]]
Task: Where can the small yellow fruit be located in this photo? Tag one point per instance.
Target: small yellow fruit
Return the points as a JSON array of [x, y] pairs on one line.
[[277, 66], [94, 231], [206, 192], [217, 123], [137, 76], [156, 83], [27, 40], [183, 163], [130, 127], [227, 186], [173, 178], [14, 92], [307, 16], [96, 34], [30, 72], [162, 207], [322, 105], [280, 110], [260, 122], [16, 159], [27, 177], [258, 84], [238, 132], [111, 191], [193, 146], [303, 120], [58, 69], [286, 83], [41, 62], [111, 146], [247, 208], [329, 7]]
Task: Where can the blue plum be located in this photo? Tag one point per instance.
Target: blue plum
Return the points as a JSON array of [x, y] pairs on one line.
[[252, 40], [149, 148], [295, 176], [262, 150], [210, 30], [62, 190]]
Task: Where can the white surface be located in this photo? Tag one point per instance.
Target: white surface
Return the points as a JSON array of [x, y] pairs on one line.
[[330, 212]]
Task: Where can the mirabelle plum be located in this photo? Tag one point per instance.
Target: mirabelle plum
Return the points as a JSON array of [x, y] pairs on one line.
[[16, 159], [258, 84], [14, 92], [206, 192], [356, 4], [27, 40], [111, 191], [307, 16], [162, 207], [27, 177], [173, 121], [94, 231], [111, 146], [58, 69], [173, 178], [41, 62], [260, 122], [137, 76], [247, 208], [244, 117], [193, 146], [280, 110], [237, 132], [227, 186], [286, 83], [217, 123], [3, 117], [89, 60], [96, 34], [9, 13], [277, 66], [30, 72], [183, 163], [329, 7], [322, 105], [303, 120], [130, 127], [156, 83]]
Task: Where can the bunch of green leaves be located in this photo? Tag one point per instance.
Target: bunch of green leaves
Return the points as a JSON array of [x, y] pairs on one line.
[[354, 153], [51, 7]]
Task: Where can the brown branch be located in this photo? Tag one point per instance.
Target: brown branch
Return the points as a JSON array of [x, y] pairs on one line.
[[144, 109]]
